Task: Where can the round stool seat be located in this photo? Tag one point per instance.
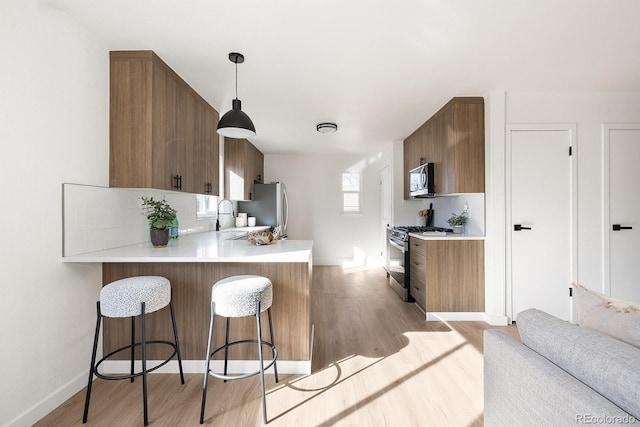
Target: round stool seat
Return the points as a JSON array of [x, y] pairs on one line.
[[123, 298], [237, 296]]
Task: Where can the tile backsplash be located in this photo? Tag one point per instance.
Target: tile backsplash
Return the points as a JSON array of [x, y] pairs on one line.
[[97, 218]]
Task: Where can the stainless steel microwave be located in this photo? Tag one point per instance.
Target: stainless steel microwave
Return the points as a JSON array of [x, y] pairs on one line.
[[421, 181]]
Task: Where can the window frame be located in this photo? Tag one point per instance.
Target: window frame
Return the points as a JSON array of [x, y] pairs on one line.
[[347, 210]]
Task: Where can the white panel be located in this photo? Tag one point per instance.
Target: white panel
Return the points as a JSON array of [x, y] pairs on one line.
[[540, 198], [624, 210]]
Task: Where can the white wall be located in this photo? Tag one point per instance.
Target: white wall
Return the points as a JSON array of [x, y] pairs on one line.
[[53, 129], [313, 183], [588, 110]]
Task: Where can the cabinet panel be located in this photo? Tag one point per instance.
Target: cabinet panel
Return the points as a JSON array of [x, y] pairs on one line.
[[453, 139], [130, 97], [466, 144], [447, 275], [417, 247], [243, 165], [158, 125], [163, 140], [185, 144], [414, 153], [418, 292], [208, 152], [455, 276]]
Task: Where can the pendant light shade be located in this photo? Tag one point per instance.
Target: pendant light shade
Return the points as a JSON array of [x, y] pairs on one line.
[[236, 123]]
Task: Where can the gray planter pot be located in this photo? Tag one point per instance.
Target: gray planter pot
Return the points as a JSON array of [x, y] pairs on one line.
[[458, 229], [159, 238]]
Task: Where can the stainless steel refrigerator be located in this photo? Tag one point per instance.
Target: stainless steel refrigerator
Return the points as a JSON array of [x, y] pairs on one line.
[[270, 206]]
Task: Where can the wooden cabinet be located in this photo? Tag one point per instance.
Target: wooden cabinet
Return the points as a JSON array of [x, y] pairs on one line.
[[162, 133], [243, 167], [453, 139], [447, 275], [418, 271]]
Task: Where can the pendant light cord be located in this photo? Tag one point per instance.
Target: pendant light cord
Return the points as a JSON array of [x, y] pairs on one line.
[[236, 61]]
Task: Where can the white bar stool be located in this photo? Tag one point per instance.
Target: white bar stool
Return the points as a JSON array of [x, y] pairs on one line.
[[241, 296], [131, 297]]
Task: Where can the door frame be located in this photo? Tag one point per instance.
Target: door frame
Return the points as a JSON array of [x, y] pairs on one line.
[[606, 220], [388, 202], [573, 206]]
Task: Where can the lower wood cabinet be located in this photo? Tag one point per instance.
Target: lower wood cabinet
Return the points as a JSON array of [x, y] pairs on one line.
[[447, 275]]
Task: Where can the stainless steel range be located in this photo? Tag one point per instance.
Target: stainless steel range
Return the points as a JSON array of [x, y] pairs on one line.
[[398, 266]]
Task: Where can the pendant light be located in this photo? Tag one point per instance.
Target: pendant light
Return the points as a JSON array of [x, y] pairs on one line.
[[235, 123]]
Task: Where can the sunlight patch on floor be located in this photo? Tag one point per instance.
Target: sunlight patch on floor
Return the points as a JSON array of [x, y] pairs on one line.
[[355, 390]]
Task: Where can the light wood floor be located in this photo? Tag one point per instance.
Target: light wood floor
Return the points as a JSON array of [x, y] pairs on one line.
[[377, 362]]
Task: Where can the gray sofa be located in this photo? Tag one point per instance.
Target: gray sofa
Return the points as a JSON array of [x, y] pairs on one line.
[[560, 374]]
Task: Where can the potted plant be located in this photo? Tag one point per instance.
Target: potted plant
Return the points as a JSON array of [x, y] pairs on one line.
[[457, 222], [160, 215]]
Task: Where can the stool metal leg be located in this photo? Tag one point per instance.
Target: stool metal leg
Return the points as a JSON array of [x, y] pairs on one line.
[[175, 336], [261, 360], [226, 348], [93, 364], [143, 345], [133, 346], [275, 364], [206, 368]]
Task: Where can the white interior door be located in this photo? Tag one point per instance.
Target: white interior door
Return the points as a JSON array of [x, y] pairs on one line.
[[623, 226], [540, 217]]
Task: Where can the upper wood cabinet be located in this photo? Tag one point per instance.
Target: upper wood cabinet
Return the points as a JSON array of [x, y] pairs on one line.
[[243, 166], [162, 133], [453, 139]]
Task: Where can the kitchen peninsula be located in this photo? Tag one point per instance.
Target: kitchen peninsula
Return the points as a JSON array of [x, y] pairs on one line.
[[193, 263]]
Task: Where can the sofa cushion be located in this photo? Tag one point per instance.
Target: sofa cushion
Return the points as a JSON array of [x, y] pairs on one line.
[[523, 388], [620, 319], [609, 366]]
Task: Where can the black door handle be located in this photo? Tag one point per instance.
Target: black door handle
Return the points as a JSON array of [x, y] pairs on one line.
[[518, 227], [618, 227]]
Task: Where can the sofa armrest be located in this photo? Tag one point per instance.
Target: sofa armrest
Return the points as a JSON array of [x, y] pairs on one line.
[[522, 388]]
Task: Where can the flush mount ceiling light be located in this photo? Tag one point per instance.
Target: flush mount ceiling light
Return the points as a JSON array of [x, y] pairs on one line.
[[327, 127], [235, 123]]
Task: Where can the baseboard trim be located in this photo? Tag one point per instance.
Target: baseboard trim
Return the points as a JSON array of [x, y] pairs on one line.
[[495, 320], [51, 402], [297, 367], [456, 316]]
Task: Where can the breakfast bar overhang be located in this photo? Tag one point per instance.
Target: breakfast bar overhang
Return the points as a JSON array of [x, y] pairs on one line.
[[193, 263]]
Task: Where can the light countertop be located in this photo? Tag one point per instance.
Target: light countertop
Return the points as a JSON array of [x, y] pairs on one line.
[[215, 246], [447, 236]]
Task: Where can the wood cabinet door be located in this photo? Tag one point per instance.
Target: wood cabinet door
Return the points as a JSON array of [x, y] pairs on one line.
[[130, 98], [205, 160], [258, 165], [466, 146], [210, 149], [164, 162], [158, 128], [455, 275], [414, 153], [234, 158], [186, 141], [453, 139]]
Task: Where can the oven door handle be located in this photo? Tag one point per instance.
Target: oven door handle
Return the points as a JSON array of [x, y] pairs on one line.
[[395, 245]]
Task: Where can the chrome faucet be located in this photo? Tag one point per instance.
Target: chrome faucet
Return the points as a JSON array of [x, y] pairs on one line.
[[218, 213]]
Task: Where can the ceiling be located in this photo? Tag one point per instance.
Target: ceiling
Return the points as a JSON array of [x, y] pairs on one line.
[[378, 69]]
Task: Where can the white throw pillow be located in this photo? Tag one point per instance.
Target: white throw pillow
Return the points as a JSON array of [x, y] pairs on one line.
[[617, 318]]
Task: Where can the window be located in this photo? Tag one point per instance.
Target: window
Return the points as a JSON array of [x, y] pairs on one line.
[[206, 206], [351, 192]]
